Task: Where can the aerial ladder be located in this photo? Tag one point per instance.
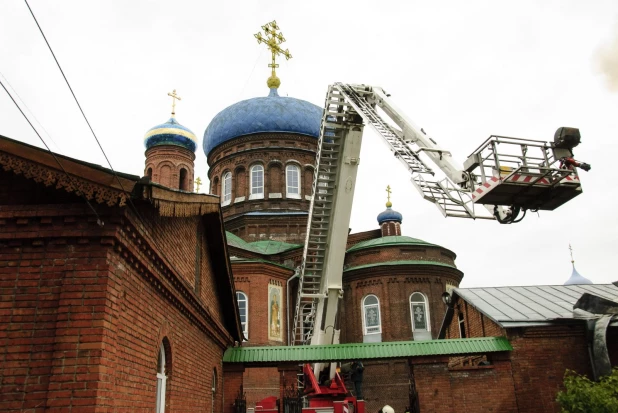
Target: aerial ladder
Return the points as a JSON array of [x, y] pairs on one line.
[[502, 179]]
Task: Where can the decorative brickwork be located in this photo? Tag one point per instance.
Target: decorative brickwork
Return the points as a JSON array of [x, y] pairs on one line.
[[171, 166]]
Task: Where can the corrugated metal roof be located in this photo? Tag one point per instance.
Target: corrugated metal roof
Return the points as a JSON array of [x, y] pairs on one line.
[[365, 351], [533, 305]]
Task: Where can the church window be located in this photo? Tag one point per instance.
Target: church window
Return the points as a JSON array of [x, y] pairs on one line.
[[418, 312], [161, 380], [214, 390], [243, 308], [149, 173], [462, 325], [257, 182], [371, 315], [182, 180], [226, 190], [292, 178]]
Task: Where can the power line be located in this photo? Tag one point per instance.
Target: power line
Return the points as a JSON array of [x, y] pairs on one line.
[[49, 150], [23, 103], [132, 205], [74, 97]]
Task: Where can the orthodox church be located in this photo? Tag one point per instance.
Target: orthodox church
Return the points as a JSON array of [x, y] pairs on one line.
[[104, 309]]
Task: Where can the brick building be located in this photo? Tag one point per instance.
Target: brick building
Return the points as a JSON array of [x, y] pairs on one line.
[[261, 154], [540, 323], [123, 293], [116, 294]]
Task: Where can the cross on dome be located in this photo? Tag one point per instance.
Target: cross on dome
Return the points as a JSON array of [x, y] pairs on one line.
[[272, 40], [174, 98], [388, 197]]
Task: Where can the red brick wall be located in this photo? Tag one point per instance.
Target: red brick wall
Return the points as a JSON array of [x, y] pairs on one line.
[[393, 285], [166, 163], [85, 308], [478, 389], [274, 151], [540, 357], [476, 323]]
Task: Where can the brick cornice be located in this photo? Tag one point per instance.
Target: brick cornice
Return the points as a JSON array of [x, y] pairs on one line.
[[176, 290]]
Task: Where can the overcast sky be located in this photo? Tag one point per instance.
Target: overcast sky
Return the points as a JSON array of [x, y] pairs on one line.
[[461, 70]]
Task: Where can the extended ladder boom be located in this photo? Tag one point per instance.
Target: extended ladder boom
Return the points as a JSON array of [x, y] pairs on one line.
[[503, 172]]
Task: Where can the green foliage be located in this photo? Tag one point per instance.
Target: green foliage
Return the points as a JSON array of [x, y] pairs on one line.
[[581, 395]]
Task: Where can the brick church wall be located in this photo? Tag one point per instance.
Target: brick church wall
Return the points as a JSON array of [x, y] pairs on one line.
[[85, 308], [539, 358]]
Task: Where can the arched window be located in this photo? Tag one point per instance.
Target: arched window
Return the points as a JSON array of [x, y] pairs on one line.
[[226, 188], [149, 173], [214, 390], [243, 309], [419, 314], [182, 179], [292, 181], [372, 326], [257, 182], [161, 380]]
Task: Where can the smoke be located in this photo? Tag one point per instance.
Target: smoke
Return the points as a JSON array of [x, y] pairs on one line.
[[607, 61]]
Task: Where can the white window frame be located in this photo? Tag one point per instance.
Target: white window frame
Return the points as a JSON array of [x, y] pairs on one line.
[[256, 192], [245, 325], [161, 381], [364, 308], [424, 302], [226, 189], [461, 321], [296, 169]]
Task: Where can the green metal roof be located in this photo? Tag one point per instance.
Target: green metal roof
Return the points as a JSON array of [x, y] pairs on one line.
[[401, 262], [364, 351], [235, 241], [273, 247], [390, 240]]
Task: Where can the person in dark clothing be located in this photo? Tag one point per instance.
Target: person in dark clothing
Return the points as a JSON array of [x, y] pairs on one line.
[[357, 378]]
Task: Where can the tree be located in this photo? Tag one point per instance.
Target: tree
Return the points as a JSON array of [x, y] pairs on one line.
[[582, 395]]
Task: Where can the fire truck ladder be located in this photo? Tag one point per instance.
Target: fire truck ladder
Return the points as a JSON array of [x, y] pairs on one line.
[[338, 120], [449, 198]]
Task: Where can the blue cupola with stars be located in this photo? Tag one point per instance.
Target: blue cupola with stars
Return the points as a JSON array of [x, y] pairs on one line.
[[171, 133]]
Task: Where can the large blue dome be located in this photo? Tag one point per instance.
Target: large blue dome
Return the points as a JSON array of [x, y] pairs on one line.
[[272, 113]]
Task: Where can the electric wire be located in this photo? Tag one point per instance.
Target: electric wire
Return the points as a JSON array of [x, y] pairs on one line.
[[132, 205], [83, 114], [23, 103], [49, 150], [74, 97]]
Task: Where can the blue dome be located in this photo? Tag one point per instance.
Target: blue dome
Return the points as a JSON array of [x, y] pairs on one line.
[[171, 133], [389, 214], [272, 113], [577, 279]]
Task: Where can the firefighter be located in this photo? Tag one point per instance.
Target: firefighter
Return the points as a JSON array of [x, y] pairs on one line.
[[357, 377]]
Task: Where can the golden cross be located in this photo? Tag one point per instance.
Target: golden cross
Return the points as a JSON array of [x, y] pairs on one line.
[[571, 250], [174, 98], [388, 195], [198, 182], [272, 40]]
